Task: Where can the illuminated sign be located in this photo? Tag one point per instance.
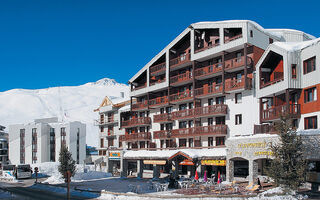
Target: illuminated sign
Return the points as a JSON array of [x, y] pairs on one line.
[[214, 162], [154, 162]]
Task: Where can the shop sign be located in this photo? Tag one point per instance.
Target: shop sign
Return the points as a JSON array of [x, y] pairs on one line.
[[114, 155], [154, 162], [214, 162], [263, 153], [186, 162], [253, 145]]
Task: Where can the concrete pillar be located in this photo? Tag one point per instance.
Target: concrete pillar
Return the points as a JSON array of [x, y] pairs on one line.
[[156, 172], [230, 170], [253, 171], [124, 168], [139, 168]]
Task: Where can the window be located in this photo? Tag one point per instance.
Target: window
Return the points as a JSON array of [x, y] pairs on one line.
[[238, 97], [210, 141], [220, 100], [101, 143], [110, 142], [101, 129], [310, 95], [239, 57], [220, 120], [190, 123], [238, 119], [310, 122], [161, 110], [293, 71], [251, 33], [191, 105], [182, 142], [210, 101], [183, 124], [182, 106], [190, 142], [309, 65], [169, 109], [210, 121], [142, 144], [219, 141], [270, 40], [239, 77], [161, 143]]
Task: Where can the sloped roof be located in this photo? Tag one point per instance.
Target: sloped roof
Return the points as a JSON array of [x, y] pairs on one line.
[[296, 46]]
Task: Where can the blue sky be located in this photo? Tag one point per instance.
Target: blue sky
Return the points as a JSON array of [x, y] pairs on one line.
[[62, 42]]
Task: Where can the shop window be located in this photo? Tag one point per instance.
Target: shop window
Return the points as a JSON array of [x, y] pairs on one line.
[[310, 122], [293, 71], [309, 65], [310, 95], [238, 119], [220, 141], [238, 97]]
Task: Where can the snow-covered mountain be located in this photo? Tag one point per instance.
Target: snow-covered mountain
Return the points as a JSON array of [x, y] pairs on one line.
[[68, 103]]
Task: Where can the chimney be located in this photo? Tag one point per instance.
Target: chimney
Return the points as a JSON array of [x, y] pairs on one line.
[[122, 94]]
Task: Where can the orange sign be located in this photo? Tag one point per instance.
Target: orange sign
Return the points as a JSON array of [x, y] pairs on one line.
[[114, 154], [186, 162]]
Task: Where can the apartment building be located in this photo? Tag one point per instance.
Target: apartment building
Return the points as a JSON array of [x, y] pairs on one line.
[[4, 160], [205, 87], [41, 141], [110, 147]]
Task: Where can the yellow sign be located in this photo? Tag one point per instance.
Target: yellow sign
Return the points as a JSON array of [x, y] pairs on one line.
[[214, 162], [238, 153], [263, 153], [114, 154], [154, 162], [253, 145]]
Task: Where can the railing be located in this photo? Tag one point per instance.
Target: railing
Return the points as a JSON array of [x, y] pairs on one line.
[[158, 101], [264, 128], [275, 112], [136, 122], [158, 68], [180, 96], [235, 84], [140, 105], [181, 78], [207, 90], [200, 130], [105, 121], [158, 81], [200, 111], [237, 62], [139, 87], [164, 117], [135, 136], [160, 134], [232, 38], [207, 47], [180, 60], [208, 70], [278, 76]]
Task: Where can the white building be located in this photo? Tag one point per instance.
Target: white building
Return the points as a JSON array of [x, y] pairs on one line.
[[3, 147], [41, 140]]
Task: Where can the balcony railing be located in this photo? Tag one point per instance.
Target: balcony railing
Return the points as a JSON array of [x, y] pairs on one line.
[[232, 38], [135, 136], [158, 101], [200, 111], [180, 60], [181, 78], [278, 76], [236, 84], [164, 117], [208, 70], [109, 120], [158, 81], [180, 96], [275, 112], [207, 47], [264, 128], [140, 105], [158, 68], [200, 130], [207, 90], [160, 134], [139, 87], [237, 62], [136, 122]]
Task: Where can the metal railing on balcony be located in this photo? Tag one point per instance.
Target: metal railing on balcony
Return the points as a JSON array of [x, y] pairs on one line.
[[140, 105], [278, 76], [135, 136], [200, 111], [160, 134], [237, 62], [293, 110], [232, 38], [207, 90], [200, 130], [236, 84], [264, 128], [208, 70], [164, 117], [158, 101], [158, 68], [181, 78], [136, 122], [207, 47], [180, 96], [180, 60]]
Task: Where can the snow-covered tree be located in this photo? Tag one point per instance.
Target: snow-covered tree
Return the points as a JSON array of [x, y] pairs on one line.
[[66, 162]]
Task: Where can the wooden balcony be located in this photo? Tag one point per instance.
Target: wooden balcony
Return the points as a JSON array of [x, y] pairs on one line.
[[232, 38], [157, 81], [278, 77], [206, 90], [181, 79], [199, 131], [160, 134], [136, 122], [135, 137], [208, 71], [164, 117], [218, 109], [275, 112], [207, 47], [140, 106], [180, 60], [236, 63], [159, 101], [139, 87], [237, 84], [109, 120], [158, 69], [264, 128], [181, 96]]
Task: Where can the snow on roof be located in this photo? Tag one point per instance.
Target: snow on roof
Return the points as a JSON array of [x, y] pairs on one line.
[[125, 108], [252, 136], [296, 46], [309, 132], [164, 154], [284, 30]]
